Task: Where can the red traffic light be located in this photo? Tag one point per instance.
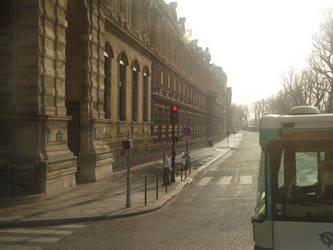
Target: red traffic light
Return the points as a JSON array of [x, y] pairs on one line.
[[174, 108], [174, 113]]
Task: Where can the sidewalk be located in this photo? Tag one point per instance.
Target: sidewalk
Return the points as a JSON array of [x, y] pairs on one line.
[[107, 199]]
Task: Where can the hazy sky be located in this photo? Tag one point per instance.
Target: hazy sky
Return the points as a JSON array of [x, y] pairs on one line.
[[254, 41]]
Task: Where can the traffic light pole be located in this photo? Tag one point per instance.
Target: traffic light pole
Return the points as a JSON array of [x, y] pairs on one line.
[[128, 175], [173, 154]]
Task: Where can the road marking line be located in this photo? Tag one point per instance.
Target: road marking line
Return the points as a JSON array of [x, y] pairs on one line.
[[21, 247], [44, 240], [69, 226], [204, 181], [32, 231], [225, 180], [63, 232], [235, 179], [13, 238], [246, 179]]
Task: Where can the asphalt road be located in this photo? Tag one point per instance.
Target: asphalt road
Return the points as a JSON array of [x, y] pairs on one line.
[[212, 212]]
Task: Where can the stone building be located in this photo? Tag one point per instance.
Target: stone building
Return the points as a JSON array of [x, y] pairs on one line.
[[78, 76]]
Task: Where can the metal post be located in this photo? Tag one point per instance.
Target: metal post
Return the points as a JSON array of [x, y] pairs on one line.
[[173, 179], [156, 187], [36, 177], [128, 177], [185, 172], [228, 141], [145, 190], [190, 164], [166, 188], [181, 172], [186, 146], [13, 178]]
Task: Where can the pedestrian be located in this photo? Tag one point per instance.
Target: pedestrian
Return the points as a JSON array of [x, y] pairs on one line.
[[166, 169]]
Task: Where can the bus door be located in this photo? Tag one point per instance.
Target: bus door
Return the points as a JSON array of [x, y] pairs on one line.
[[302, 212], [262, 222]]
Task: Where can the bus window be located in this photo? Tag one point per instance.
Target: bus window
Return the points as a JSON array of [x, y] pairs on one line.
[[302, 181], [306, 169], [281, 172], [297, 170], [260, 209]]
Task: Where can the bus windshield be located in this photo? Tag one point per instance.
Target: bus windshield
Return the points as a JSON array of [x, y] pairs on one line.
[[302, 180]]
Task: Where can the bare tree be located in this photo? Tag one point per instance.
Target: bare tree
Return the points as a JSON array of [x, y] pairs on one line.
[[317, 88], [321, 60], [312, 86], [240, 115], [294, 86]]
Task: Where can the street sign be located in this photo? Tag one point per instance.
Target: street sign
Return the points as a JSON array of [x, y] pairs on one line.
[[187, 132]]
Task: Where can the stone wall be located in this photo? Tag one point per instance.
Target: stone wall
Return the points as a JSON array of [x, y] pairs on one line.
[[60, 89]]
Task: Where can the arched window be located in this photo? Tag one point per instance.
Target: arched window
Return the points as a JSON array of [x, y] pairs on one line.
[[135, 67], [108, 54], [145, 96], [122, 66]]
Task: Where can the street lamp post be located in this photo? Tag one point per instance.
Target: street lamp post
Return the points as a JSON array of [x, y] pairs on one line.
[[173, 154], [174, 120]]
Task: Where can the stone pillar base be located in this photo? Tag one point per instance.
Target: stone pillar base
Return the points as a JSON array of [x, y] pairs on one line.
[[19, 179], [94, 167]]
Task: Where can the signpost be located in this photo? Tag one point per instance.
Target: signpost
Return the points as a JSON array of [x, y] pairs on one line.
[[127, 144], [187, 134], [174, 119]]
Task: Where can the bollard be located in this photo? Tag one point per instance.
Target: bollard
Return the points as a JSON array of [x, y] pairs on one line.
[[166, 187], [190, 168], [181, 172], [13, 179], [36, 177], [156, 187], [145, 190], [185, 173]]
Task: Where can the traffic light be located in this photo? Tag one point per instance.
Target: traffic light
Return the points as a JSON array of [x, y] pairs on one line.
[[174, 113], [127, 144]]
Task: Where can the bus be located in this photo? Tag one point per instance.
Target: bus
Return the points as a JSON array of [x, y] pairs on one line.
[[294, 205]]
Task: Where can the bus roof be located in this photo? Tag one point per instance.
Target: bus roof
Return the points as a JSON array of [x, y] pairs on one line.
[[296, 121]]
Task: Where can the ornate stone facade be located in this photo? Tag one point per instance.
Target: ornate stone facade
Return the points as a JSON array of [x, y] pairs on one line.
[[76, 76]]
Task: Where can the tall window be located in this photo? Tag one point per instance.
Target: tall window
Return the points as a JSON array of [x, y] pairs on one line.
[[122, 62], [146, 75], [107, 80], [135, 76]]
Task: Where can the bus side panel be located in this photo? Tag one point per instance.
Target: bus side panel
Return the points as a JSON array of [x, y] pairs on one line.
[[291, 235], [266, 135], [263, 235]]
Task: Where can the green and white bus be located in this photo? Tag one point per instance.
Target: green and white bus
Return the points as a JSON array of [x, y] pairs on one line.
[[294, 207]]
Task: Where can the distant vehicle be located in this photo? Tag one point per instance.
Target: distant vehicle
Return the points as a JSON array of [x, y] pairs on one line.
[[294, 207], [235, 130], [252, 128]]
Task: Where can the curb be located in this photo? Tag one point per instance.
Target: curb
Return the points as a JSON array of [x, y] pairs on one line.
[[154, 207], [56, 222]]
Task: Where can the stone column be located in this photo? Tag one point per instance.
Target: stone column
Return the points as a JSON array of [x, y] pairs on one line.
[[95, 156], [149, 97], [128, 95], [140, 97], [36, 121]]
